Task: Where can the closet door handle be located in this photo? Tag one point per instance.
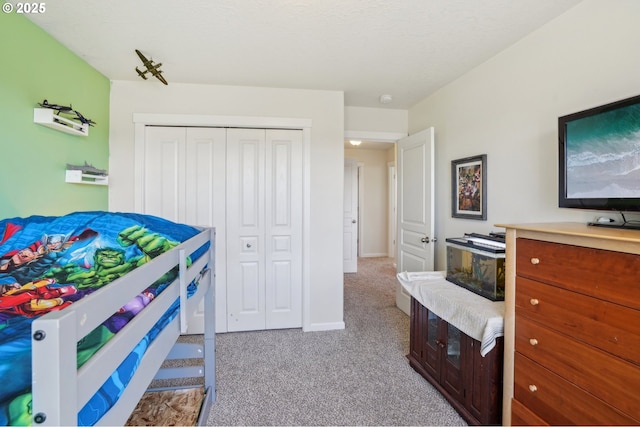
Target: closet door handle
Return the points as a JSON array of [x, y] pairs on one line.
[[248, 245]]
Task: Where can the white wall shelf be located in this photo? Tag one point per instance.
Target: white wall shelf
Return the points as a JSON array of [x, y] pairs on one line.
[[48, 117], [77, 177]]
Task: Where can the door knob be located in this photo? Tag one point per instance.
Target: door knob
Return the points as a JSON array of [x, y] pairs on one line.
[[425, 239], [353, 221]]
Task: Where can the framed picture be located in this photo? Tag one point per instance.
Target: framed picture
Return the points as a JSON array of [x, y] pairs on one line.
[[469, 187]]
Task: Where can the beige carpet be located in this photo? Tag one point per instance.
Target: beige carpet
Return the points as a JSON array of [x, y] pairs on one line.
[[356, 376]]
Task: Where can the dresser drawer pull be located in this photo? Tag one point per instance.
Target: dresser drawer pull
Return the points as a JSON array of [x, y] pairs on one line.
[[535, 261], [533, 341], [534, 301], [533, 388]]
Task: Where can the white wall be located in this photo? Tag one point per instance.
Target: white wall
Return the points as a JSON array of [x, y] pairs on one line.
[[324, 108], [374, 200], [508, 108], [376, 120]]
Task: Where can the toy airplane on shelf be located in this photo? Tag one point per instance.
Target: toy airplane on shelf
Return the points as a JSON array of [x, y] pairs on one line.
[[152, 68], [82, 119], [87, 168], [58, 108], [63, 109]]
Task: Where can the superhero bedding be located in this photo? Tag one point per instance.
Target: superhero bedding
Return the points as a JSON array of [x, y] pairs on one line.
[[47, 264]]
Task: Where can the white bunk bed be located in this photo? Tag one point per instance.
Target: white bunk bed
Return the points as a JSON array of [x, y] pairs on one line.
[[60, 389]]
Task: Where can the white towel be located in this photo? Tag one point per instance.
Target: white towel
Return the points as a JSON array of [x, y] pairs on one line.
[[411, 276], [474, 315]]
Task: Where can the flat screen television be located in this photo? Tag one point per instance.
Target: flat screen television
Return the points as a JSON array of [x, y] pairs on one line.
[[600, 157]]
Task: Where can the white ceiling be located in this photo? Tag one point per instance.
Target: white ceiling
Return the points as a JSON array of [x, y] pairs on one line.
[[365, 48]]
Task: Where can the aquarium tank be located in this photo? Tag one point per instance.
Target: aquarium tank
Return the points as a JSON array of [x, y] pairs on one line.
[[477, 267]]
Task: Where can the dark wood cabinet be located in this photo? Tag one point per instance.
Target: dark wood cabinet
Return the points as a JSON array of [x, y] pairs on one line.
[[451, 362]]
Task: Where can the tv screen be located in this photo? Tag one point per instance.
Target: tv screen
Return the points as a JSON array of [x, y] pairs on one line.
[[600, 157]]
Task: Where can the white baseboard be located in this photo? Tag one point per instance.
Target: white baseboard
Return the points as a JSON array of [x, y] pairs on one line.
[[317, 327], [375, 255]]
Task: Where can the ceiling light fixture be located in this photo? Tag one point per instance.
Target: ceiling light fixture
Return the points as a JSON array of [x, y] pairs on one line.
[[354, 142], [385, 99]]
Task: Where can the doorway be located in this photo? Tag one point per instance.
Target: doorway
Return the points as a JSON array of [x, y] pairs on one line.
[[375, 196]]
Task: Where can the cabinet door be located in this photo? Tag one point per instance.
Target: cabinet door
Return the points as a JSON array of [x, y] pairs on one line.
[[483, 382], [454, 355], [418, 322], [432, 343]]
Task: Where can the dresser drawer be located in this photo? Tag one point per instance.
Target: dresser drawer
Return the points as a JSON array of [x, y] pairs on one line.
[[608, 275], [559, 402], [607, 326], [606, 377], [522, 416]]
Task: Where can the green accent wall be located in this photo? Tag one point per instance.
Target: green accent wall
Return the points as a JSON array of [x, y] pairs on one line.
[[33, 158]]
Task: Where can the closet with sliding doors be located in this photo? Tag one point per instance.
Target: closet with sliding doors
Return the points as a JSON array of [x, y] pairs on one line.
[[247, 183]]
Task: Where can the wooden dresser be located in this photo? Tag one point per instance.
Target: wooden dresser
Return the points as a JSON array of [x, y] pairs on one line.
[[572, 325]]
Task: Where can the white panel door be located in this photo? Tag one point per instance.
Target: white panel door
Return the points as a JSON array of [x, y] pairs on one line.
[[264, 229], [164, 172], [350, 217], [248, 184], [204, 187], [245, 229], [184, 181], [283, 232], [415, 176]]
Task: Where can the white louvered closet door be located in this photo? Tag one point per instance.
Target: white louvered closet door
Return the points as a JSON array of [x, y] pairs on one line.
[[264, 229]]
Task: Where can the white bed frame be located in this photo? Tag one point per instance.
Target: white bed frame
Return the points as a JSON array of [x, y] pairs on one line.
[[60, 389]]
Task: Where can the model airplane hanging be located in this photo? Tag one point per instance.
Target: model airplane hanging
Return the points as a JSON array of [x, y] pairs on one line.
[[152, 68], [63, 109]]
